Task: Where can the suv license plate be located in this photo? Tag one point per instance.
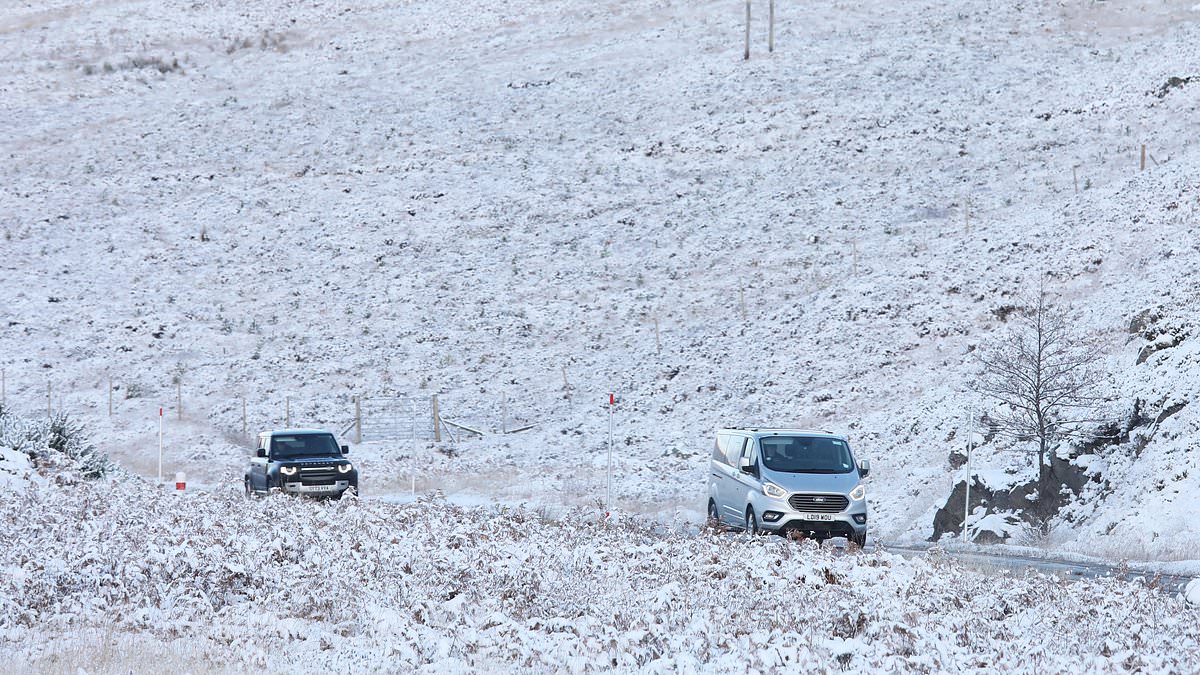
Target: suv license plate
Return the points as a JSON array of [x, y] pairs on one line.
[[320, 488], [817, 516]]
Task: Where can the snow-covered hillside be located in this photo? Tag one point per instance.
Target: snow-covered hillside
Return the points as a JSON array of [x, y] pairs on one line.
[[298, 204]]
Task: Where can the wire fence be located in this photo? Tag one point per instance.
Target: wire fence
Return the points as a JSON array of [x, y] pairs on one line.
[[386, 416]]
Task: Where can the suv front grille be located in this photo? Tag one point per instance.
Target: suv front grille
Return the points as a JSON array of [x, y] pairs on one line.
[[809, 503], [318, 475]]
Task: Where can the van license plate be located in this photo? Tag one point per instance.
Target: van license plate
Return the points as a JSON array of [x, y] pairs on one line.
[[817, 516]]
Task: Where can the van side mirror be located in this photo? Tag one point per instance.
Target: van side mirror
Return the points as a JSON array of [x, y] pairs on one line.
[[864, 467], [748, 467], [345, 449], [261, 452]]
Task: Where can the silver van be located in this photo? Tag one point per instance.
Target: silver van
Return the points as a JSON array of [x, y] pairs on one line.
[[785, 480]]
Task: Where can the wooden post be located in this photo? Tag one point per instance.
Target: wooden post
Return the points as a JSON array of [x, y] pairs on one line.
[[357, 419], [967, 214], [1143, 156], [504, 413], [437, 422], [3, 390], [49, 408], [657, 341], [110, 395], [742, 301], [771, 27], [1075, 176], [179, 396], [746, 55], [287, 412], [566, 385], [854, 253], [244, 427]]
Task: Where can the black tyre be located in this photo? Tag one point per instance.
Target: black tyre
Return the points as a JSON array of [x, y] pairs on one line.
[[246, 484], [859, 540], [752, 521], [713, 518]]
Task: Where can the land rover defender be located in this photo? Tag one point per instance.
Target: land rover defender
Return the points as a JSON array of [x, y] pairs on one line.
[[300, 461]]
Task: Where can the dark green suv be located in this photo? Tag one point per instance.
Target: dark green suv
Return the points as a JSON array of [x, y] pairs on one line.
[[300, 461]]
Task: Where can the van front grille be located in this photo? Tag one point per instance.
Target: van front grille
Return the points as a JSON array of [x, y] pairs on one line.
[[810, 503]]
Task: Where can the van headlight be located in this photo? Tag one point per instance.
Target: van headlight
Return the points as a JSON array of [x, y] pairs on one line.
[[774, 491], [859, 492], [345, 468], [288, 470]]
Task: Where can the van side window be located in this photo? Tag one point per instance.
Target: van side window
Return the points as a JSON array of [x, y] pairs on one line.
[[748, 453], [734, 451], [719, 447]]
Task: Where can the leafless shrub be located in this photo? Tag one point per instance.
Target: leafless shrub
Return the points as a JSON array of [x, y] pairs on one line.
[[1047, 381]]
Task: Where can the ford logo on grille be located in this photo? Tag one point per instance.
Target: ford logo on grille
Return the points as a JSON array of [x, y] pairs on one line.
[[819, 500]]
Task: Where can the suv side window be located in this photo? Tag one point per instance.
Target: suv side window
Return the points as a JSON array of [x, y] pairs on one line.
[[734, 451]]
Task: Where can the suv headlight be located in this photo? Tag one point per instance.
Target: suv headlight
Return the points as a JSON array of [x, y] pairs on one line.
[[774, 491], [859, 492], [345, 468], [288, 470]]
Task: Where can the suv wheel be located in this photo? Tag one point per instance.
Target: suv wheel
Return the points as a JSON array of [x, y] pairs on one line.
[[246, 484], [713, 519], [752, 521], [859, 540]]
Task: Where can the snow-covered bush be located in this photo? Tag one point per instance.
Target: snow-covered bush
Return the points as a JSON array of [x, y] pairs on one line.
[[53, 441], [361, 585]]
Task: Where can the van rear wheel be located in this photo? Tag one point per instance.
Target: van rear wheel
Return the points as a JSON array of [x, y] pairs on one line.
[[713, 519]]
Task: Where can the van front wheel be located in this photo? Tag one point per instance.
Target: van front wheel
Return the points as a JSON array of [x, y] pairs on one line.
[[752, 521]]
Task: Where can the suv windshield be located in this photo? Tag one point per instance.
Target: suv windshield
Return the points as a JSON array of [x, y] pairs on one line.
[[304, 445], [805, 454]]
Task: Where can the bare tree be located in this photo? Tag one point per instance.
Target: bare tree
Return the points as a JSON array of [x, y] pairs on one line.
[[1046, 380]]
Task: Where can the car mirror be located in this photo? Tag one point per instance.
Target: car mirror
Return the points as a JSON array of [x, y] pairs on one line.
[[748, 467], [262, 452], [864, 467], [345, 449]]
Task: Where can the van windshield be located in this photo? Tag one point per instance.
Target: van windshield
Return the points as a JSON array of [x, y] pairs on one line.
[[304, 445], [805, 454]]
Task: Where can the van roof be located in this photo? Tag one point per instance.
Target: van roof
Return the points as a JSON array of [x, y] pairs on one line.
[[769, 431]]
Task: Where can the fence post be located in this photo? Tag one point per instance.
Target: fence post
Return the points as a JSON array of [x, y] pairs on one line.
[[244, 428], [1143, 157], [49, 407], [746, 55], [179, 397], [504, 413], [437, 422], [110, 395], [357, 419], [771, 27], [3, 390], [287, 412], [657, 341]]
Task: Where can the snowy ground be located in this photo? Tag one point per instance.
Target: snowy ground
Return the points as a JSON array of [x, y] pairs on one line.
[[215, 583], [299, 204]]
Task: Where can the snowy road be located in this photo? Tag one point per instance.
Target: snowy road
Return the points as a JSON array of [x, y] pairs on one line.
[[1065, 569]]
